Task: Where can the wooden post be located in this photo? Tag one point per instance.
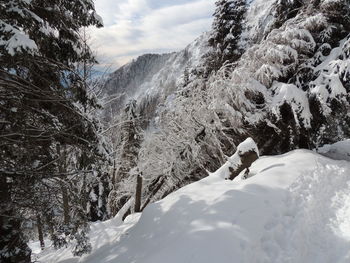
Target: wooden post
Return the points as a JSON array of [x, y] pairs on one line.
[[138, 194]]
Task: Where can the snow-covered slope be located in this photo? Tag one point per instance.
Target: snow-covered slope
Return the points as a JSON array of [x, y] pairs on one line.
[[294, 208], [337, 151], [153, 75]]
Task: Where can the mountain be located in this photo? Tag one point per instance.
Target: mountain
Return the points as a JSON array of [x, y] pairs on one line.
[[277, 71], [152, 76], [160, 75], [293, 208]]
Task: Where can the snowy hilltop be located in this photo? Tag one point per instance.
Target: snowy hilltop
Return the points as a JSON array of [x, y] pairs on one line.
[[293, 208]]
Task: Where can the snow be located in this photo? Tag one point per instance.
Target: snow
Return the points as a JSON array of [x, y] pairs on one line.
[[317, 20], [247, 146], [18, 41], [168, 78], [93, 196], [295, 208], [337, 151], [331, 1], [36, 248], [295, 97], [328, 84], [98, 18], [259, 19], [103, 236]]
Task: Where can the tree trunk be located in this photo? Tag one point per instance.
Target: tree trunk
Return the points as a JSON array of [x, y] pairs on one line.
[[12, 243], [114, 173], [156, 185], [65, 200], [84, 195], [138, 194], [48, 221], [40, 232]]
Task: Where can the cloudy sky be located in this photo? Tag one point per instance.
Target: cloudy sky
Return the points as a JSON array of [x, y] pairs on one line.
[[135, 27]]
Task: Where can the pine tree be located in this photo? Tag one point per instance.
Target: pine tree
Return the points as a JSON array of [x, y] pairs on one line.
[[311, 112], [43, 100], [98, 190], [227, 29]]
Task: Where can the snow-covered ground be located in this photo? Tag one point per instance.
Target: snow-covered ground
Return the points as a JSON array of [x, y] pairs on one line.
[[294, 208], [102, 235], [337, 151]]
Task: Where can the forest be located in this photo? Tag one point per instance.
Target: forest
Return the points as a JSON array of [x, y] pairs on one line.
[[79, 148]]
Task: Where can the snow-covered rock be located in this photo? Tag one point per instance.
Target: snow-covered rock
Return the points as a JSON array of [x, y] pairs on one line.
[[235, 161]]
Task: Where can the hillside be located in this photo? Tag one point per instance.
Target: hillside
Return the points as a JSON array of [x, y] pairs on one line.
[[152, 76], [155, 158], [293, 208], [276, 71]]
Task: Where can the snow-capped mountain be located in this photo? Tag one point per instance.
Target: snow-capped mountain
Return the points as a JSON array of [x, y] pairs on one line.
[[153, 76]]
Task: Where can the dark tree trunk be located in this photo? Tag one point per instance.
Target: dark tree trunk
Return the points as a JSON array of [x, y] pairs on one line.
[[155, 186], [14, 248], [114, 173], [138, 194], [40, 232], [126, 214], [65, 199], [48, 221]]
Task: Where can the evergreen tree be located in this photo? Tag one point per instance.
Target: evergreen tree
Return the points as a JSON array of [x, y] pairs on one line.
[[227, 29], [43, 101], [98, 190]]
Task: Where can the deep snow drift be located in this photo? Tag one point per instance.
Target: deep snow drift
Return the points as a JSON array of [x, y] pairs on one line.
[[294, 208]]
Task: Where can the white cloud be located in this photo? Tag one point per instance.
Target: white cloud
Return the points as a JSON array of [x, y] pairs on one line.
[[134, 27]]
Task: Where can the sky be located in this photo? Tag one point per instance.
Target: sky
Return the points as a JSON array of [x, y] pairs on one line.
[[135, 27]]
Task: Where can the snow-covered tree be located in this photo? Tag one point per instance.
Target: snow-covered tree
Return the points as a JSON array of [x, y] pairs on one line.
[[130, 138], [227, 29], [43, 100]]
